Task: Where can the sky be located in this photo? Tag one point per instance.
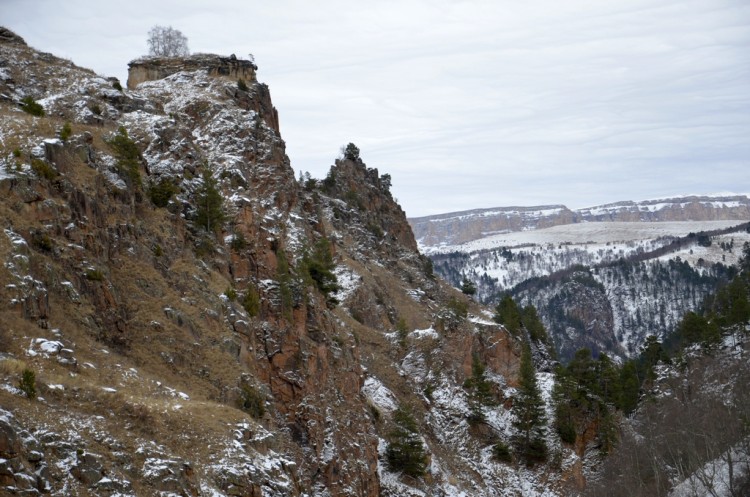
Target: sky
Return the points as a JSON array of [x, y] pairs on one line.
[[468, 103]]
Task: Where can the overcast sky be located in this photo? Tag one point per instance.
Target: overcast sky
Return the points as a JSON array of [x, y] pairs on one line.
[[468, 104]]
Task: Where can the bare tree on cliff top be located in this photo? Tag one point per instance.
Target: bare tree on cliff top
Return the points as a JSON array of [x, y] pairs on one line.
[[165, 41]]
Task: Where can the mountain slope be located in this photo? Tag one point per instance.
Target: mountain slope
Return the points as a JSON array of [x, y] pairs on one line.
[[170, 299]]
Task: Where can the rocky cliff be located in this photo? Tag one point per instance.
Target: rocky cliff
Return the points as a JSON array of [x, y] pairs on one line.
[[461, 227], [171, 325]]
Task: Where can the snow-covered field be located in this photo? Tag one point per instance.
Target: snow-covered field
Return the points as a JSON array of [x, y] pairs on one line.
[[583, 233]]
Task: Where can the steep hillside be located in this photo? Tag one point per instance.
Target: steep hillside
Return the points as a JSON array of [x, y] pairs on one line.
[[640, 278], [184, 318]]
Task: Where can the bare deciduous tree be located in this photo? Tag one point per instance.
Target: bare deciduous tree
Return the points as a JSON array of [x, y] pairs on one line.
[[165, 41]]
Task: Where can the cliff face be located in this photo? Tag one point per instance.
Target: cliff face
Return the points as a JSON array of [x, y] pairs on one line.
[[461, 227], [183, 345], [154, 68]]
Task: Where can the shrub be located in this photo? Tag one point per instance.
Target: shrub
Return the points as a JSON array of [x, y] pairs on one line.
[[43, 170], [319, 265], [402, 331], [28, 383], [251, 302], [65, 132], [94, 275], [96, 109], [231, 294], [252, 402], [458, 308], [204, 246], [42, 241], [29, 106], [238, 242], [116, 85], [241, 85], [501, 452], [158, 251], [567, 432], [17, 153], [162, 192], [128, 157]]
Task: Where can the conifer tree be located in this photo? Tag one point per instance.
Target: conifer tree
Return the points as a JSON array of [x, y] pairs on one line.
[[209, 204], [480, 391], [405, 453], [528, 408], [320, 265], [468, 287], [507, 314]]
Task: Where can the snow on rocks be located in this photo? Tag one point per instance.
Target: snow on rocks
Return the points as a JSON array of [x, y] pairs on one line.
[[380, 396], [348, 280]]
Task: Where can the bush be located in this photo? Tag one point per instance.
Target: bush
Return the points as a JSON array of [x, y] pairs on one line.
[[29, 106], [231, 294], [28, 383], [501, 452], [162, 192], [65, 132], [567, 432], [94, 275], [116, 85], [320, 265], [252, 402], [241, 85], [43, 170], [42, 241], [238, 242], [251, 302], [458, 308], [128, 157], [96, 109]]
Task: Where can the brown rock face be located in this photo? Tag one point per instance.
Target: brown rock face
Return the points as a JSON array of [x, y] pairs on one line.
[[153, 68]]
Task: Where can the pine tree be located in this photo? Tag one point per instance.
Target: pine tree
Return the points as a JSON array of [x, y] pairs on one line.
[[405, 453], [480, 391], [319, 264], [507, 314], [209, 204], [468, 287], [528, 408]]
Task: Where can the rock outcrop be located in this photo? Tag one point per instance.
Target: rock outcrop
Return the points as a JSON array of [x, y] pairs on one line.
[[153, 68]]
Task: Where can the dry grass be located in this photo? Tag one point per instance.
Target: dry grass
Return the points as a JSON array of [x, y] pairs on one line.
[[12, 367]]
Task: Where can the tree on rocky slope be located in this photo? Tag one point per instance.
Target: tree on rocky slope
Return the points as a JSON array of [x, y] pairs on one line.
[[507, 314], [209, 204], [165, 41], [405, 452], [528, 408]]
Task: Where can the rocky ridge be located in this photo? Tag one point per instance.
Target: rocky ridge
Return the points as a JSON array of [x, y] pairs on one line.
[[461, 227], [171, 359]]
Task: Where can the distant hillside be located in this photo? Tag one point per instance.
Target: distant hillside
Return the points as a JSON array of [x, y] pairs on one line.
[[460, 227]]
